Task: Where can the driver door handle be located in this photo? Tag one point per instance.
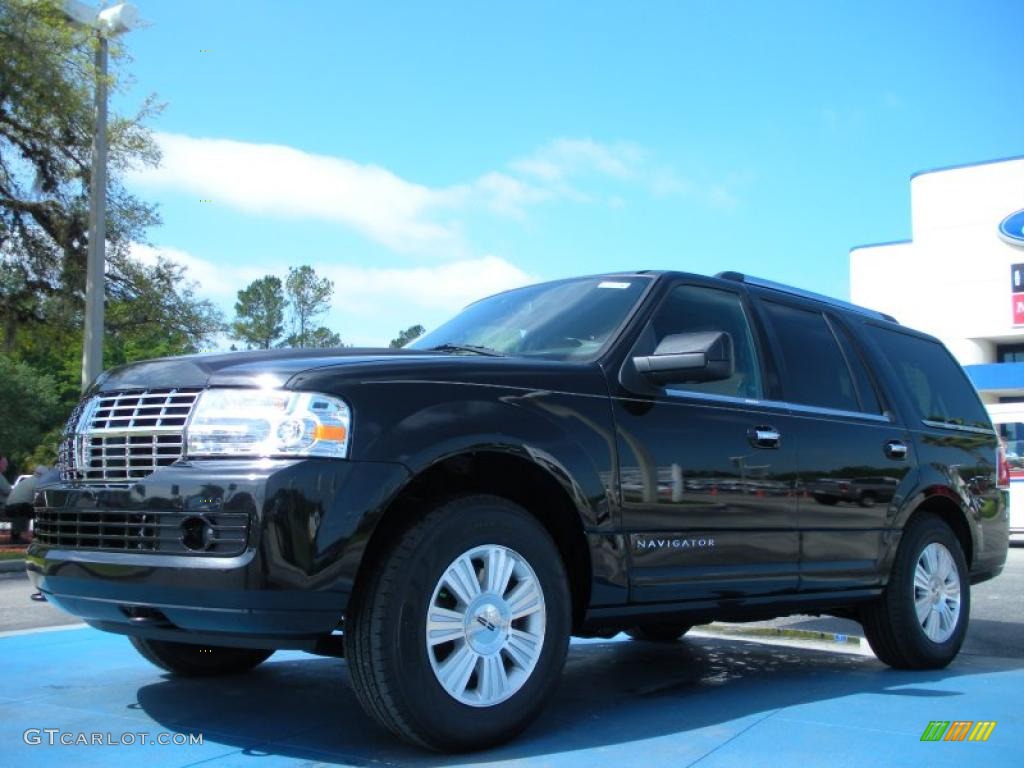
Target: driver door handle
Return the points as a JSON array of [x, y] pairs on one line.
[[764, 437], [896, 449]]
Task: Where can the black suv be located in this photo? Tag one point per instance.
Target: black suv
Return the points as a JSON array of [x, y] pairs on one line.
[[630, 452]]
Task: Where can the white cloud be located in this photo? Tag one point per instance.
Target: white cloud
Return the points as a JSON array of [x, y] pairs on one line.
[[893, 100], [504, 194], [561, 159], [447, 287], [218, 282], [370, 304], [721, 196], [564, 164], [664, 183], [270, 179], [407, 217]]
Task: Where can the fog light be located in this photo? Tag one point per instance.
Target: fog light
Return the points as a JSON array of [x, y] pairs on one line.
[[197, 534]]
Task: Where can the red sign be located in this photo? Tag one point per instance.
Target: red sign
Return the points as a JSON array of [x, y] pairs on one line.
[[1018, 308]]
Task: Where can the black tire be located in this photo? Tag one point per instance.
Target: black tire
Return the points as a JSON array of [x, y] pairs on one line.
[[828, 501], [891, 623], [386, 626], [187, 660], [659, 632], [867, 499]]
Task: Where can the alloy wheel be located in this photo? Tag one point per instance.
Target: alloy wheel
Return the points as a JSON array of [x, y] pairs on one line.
[[485, 625], [937, 592]]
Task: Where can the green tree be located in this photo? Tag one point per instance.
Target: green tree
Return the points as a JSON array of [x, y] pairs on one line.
[[259, 313], [411, 333], [47, 77], [322, 338], [309, 297], [30, 405], [154, 314]]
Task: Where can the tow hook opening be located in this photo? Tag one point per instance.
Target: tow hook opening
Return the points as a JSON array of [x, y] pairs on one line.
[[140, 614]]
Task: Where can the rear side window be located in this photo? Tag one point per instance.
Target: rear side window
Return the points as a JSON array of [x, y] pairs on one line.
[[861, 378], [935, 381], [815, 369]]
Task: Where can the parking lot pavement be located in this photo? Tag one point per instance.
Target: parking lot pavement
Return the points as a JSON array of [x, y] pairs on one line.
[[997, 616], [18, 611], [706, 700]]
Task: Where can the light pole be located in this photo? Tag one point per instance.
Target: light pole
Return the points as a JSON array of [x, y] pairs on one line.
[[107, 23]]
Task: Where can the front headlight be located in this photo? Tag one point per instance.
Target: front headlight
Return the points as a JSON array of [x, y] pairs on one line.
[[267, 423]]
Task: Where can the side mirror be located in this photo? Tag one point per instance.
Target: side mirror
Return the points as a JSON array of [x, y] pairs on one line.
[[689, 357]]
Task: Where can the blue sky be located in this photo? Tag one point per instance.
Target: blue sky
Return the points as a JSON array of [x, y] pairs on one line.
[[425, 154]]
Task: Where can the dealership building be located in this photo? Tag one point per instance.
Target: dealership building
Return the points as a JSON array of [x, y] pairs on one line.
[[961, 278]]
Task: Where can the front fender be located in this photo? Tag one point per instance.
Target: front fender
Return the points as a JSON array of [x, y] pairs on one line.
[[568, 436]]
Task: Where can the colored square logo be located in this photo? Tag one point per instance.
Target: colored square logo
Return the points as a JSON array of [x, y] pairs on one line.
[[1018, 308]]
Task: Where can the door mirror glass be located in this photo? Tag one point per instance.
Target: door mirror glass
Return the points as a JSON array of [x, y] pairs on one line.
[[688, 358]]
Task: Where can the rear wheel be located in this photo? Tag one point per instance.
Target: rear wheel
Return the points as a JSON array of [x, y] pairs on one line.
[[189, 660], [921, 619], [457, 637], [659, 632]]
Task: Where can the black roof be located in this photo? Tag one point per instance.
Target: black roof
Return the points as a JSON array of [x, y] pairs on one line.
[[799, 292], [750, 280]]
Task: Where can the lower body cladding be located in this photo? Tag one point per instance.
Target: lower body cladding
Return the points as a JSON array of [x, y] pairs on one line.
[[246, 553]]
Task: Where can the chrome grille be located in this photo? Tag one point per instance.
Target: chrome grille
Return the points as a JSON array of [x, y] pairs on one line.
[[130, 531], [154, 408], [123, 436]]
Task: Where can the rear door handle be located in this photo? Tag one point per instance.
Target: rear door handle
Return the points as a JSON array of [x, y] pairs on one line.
[[896, 449], [764, 437]]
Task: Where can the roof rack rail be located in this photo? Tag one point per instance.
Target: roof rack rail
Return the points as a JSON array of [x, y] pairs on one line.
[[739, 277]]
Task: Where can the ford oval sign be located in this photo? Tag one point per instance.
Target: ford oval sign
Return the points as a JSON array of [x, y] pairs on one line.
[[1011, 229]]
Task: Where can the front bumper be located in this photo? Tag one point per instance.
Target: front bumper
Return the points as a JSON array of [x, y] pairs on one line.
[[284, 583]]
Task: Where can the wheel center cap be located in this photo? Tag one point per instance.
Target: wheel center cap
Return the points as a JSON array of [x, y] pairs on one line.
[[489, 618], [487, 625]]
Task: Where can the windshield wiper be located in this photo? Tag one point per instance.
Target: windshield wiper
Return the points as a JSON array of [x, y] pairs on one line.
[[475, 348]]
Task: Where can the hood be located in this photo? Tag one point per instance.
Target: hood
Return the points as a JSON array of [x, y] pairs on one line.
[[240, 369], [331, 370]]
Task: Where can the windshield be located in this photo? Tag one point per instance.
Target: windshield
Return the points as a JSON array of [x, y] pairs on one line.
[[564, 320]]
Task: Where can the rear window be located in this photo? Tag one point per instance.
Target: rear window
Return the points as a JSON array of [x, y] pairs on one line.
[[935, 381]]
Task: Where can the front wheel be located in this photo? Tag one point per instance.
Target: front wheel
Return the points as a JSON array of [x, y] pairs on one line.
[[457, 637], [187, 660], [921, 619]]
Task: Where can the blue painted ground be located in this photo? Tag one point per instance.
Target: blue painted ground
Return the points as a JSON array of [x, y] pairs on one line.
[[705, 701]]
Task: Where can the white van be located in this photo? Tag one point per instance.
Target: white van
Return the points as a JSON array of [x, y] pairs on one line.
[[1008, 419]]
